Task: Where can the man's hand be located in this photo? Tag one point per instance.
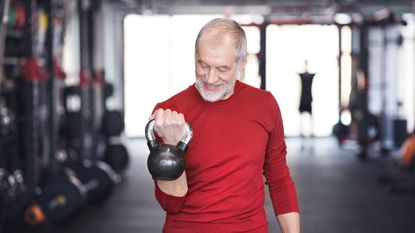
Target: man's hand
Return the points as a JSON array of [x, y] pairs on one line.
[[169, 126]]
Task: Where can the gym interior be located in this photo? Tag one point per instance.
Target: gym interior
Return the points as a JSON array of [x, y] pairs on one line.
[[80, 78]]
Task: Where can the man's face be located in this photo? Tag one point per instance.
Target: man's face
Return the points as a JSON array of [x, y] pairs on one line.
[[216, 69]]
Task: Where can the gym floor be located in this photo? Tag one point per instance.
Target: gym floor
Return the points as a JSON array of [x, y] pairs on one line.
[[337, 193]]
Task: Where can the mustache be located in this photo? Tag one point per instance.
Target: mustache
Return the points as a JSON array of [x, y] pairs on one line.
[[200, 81]]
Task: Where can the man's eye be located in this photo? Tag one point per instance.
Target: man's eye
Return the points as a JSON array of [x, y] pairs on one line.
[[222, 69], [203, 65]]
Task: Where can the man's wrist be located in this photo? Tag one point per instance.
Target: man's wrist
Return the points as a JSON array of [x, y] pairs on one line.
[[177, 188]]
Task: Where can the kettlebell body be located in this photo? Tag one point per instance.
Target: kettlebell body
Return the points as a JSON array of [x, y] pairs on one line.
[[165, 162]]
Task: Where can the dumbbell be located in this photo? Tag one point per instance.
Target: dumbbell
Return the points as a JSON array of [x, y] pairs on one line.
[[6, 120], [11, 185], [16, 184], [4, 185], [58, 199], [97, 178]]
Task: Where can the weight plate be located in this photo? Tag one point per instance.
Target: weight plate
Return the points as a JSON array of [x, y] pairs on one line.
[[112, 123], [96, 178], [117, 157], [61, 199]]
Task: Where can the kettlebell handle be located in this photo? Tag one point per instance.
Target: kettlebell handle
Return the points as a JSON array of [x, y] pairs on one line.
[[152, 141]]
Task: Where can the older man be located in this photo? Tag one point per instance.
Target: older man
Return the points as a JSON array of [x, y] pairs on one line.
[[238, 138]]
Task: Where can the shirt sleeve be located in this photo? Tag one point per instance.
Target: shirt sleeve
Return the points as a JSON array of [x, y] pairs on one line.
[[170, 204], [281, 186]]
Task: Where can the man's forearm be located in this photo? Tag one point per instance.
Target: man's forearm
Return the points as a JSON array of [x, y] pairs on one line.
[[177, 188], [289, 222]]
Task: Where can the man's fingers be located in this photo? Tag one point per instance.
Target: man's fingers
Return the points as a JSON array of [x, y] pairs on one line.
[[175, 117], [169, 125], [167, 117], [181, 118], [159, 118]]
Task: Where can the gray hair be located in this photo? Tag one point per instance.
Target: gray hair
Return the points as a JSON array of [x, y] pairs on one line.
[[224, 26]]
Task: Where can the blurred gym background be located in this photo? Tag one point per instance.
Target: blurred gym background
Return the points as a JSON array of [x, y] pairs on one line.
[[79, 79]]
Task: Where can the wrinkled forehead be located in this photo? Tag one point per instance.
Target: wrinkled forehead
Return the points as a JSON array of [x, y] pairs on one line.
[[217, 42]]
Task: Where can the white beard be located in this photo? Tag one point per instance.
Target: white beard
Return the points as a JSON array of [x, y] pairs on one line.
[[211, 96]]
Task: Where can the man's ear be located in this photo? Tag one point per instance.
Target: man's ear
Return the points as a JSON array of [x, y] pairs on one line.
[[243, 63]]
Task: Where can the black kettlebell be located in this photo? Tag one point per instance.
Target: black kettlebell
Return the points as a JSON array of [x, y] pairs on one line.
[[165, 162]]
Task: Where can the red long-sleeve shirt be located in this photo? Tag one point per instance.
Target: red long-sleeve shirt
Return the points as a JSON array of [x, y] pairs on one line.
[[235, 142]]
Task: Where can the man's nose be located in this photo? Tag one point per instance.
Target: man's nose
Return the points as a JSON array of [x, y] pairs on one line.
[[212, 76]]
